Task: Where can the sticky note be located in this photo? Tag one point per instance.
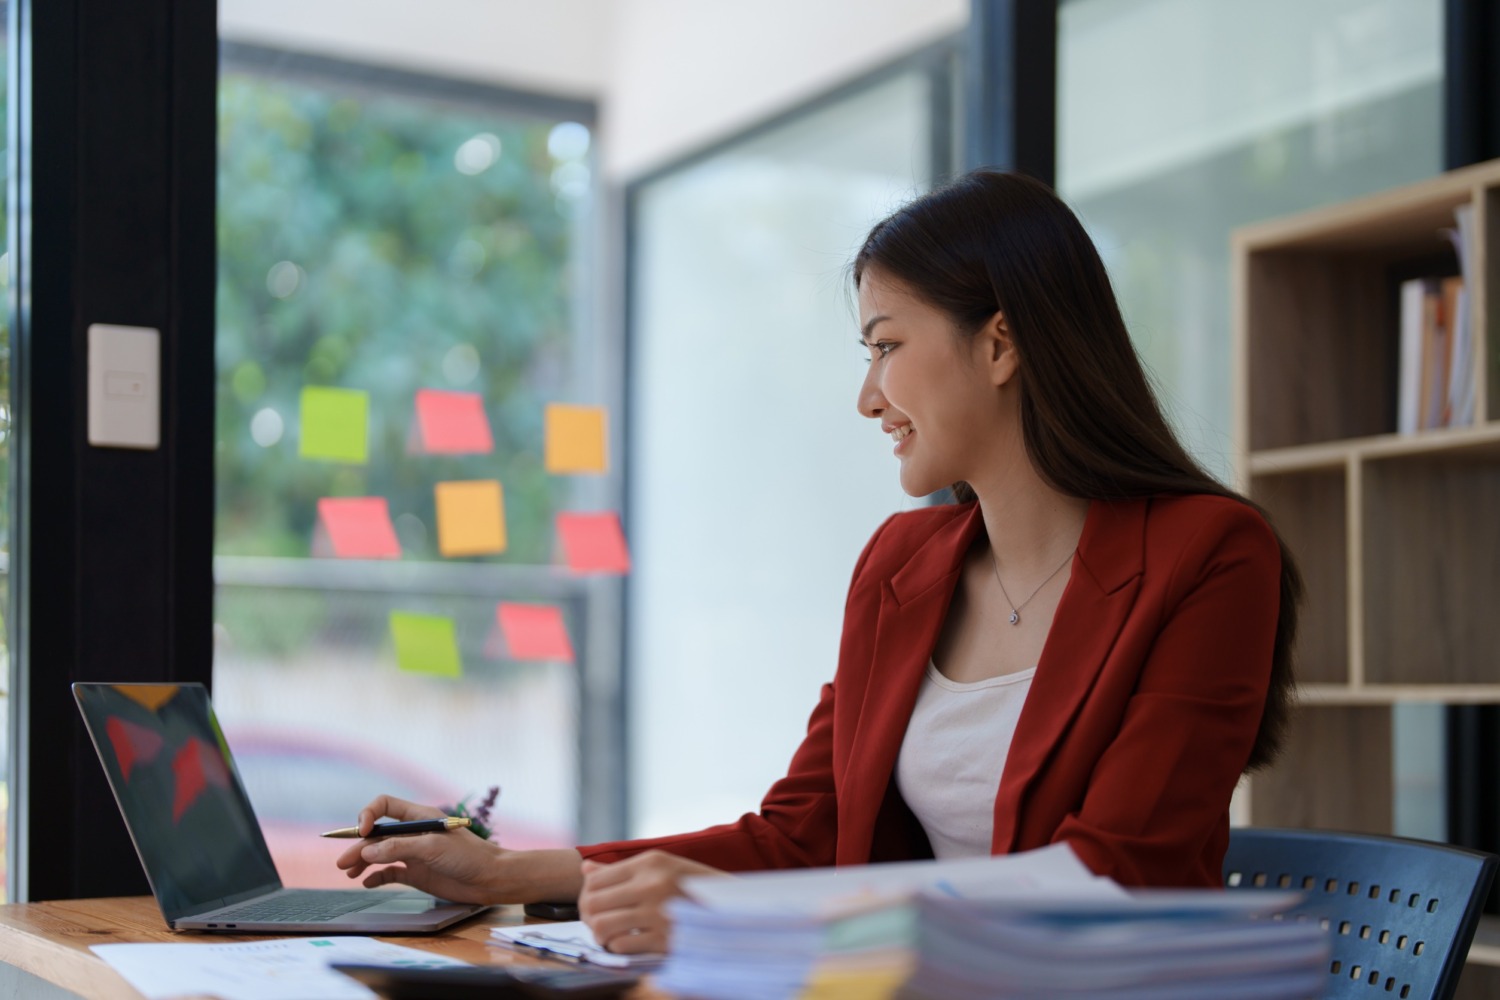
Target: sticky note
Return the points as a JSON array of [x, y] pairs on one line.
[[593, 543], [534, 632], [470, 518], [426, 644], [359, 527], [575, 439], [335, 425], [452, 423], [132, 742], [195, 767]]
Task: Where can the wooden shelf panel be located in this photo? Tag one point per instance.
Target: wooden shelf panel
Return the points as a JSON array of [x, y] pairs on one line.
[[1373, 221], [1315, 695], [1486, 947], [1480, 442], [1309, 512], [1318, 332], [1431, 535], [1335, 773]]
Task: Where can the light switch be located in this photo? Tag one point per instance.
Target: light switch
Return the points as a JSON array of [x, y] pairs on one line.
[[124, 386]]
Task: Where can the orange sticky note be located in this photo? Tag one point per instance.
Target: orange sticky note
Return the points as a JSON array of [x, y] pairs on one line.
[[470, 518], [453, 423], [359, 527], [534, 632], [593, 543], [575, 439]]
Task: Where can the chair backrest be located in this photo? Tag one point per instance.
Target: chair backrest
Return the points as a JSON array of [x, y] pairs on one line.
[[1400, 913]]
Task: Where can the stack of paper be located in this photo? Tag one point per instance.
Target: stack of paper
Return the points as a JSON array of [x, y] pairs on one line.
[[1151, 946], [834, 932]]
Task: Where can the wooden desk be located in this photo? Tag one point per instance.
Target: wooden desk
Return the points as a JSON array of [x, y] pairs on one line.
[[51, 941]]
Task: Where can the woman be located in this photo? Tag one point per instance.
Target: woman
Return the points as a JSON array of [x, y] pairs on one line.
[[1090, 647]]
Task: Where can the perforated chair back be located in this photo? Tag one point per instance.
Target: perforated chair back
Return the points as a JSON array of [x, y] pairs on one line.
[[1400, 913]]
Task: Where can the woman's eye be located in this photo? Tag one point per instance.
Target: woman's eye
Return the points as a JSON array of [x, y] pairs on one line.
[[884, 347]]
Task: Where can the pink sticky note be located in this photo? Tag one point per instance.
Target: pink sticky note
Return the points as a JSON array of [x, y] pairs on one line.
[[593, 543], [359, 527], [534, 632], [453, 423]]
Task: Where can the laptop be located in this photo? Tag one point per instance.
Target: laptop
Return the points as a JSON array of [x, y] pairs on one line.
[[197, 837]]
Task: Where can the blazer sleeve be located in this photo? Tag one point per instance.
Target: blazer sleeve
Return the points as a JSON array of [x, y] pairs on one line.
[[1154, 810], [797, 825]]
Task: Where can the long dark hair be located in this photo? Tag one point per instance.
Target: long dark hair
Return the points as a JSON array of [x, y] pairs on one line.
[[993, 241]]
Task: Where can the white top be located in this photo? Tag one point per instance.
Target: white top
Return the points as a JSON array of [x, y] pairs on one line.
[[952, 755]]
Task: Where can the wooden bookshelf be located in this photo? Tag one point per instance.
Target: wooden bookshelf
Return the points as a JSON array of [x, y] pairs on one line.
[[1398, 535]]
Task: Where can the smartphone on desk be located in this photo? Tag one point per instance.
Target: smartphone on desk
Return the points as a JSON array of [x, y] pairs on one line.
[[491, 982]]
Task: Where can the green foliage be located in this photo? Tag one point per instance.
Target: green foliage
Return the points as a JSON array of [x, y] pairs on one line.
[[354, 253]]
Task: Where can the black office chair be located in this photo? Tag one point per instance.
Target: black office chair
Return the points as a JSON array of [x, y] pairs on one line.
[[1400, 913]]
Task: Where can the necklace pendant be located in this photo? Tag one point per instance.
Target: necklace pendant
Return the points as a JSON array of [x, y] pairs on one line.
[[1015, 617]]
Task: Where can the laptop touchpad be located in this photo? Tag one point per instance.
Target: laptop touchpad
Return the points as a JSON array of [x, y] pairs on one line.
[[405, 904]]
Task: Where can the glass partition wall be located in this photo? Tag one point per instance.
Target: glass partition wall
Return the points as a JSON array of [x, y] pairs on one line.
[[754, 483], [402, 265]]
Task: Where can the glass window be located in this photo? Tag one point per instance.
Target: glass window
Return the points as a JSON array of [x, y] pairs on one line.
[[754, 482], [1180, 120], [381, 248]]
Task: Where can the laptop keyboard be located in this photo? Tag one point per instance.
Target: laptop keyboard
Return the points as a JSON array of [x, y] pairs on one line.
[[298, 907]]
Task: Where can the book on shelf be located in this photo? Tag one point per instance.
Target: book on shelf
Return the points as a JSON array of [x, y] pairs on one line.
[[1435, 386]]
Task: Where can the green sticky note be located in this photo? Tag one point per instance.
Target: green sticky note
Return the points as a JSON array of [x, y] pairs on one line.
[[426, 644], [335, 425]]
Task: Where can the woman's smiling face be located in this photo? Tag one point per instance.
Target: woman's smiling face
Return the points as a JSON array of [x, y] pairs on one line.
[[932, 389]]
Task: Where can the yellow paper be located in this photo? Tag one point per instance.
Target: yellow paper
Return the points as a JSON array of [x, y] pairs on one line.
[[335, 425], [575, 439], [426, 644], [879, 983], [470, 518]]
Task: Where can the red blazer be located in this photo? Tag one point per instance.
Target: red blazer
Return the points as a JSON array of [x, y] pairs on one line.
[[1139, 721]]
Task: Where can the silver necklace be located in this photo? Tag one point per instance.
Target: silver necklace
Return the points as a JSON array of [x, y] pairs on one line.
[[1015, 609]]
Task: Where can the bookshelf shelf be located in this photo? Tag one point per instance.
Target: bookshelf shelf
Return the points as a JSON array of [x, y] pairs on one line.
[[1398, 535], [1315, 696], [1482, 442]]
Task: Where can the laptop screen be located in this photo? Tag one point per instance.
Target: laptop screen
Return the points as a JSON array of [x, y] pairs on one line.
[[177, 787]]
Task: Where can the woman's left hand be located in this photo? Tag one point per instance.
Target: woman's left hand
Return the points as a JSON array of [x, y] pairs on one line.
[[623, 903]]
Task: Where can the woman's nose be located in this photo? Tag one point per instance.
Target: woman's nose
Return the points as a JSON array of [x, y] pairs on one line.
[[871, 402]]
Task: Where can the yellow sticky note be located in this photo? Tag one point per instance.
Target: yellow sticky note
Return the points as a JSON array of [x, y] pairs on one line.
[[470, 518], [426, 644], [575, 439], [335, 425]]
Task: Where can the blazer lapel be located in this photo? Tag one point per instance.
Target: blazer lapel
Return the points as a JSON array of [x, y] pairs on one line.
[[913, 605], [1098, 599]]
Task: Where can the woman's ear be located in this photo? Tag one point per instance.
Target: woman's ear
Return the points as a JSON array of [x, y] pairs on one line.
[[997, 350]]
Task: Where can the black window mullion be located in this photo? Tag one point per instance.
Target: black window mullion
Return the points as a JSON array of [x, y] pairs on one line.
[[1010, 86], [113, 196]]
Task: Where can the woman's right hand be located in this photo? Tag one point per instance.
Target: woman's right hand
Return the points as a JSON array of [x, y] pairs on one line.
[[456, 865]]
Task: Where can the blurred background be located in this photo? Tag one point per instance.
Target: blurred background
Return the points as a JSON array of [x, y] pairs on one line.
[[650, 206]]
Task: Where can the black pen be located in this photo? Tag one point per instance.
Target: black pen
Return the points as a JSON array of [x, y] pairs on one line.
[[395, 829]]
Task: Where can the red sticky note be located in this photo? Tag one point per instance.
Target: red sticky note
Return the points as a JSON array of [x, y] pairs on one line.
[[534, 632], [359, 527], [593, 543], [195, 766], [134, 744], [453, 423]]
